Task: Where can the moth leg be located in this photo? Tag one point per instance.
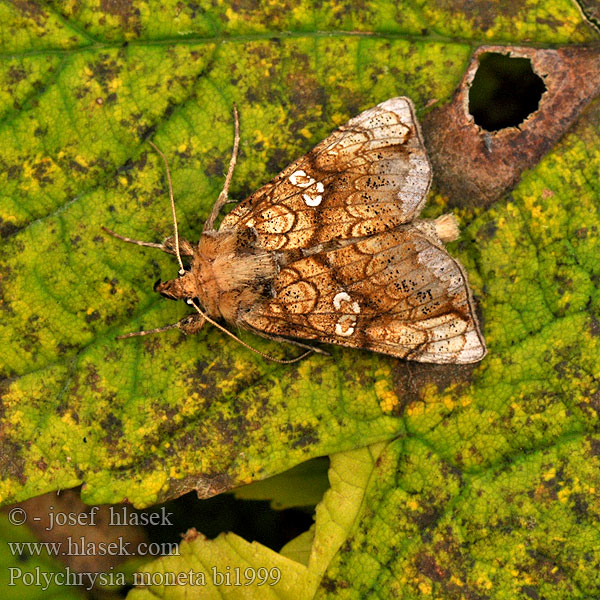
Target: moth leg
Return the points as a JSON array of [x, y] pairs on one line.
[[278, 338], [222, 199], [189, 325], [185, 248]]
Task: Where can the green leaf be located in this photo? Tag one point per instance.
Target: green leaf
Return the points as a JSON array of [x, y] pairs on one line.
[[293, 573], [520, 529], [304, 485], [506, 450], [148, 419]]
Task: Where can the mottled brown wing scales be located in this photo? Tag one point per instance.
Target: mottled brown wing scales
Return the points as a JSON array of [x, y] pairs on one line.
[[370, 175], [395, 292], [356, 269]]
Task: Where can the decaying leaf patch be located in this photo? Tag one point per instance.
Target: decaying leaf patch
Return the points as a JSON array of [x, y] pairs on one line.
[[475, 166]]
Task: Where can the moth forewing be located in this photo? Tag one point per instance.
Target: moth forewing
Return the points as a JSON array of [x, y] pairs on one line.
[[331, 250]]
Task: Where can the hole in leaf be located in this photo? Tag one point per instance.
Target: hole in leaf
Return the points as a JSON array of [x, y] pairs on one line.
[[254, 520], [251, 519], [504, 92]]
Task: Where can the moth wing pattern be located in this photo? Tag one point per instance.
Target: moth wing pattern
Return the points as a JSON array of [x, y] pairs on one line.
[[397, 292], [370, 175], [331, 250]]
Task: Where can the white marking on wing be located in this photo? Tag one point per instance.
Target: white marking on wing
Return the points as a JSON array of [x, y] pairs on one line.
[[301, 179], [345, 326], [312, 200], [337, 299]]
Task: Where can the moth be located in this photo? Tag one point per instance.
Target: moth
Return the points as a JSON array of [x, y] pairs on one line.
[[331, 250]]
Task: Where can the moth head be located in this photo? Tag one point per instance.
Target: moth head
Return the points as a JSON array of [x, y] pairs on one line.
[[177, 289]]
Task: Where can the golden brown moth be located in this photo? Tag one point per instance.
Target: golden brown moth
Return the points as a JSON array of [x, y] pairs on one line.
[[331, 250]]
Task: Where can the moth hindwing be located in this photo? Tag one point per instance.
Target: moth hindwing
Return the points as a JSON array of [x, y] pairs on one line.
[[331, 250]]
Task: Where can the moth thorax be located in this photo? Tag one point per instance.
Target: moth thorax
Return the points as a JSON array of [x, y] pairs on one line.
[[206, 286], [239, 280]]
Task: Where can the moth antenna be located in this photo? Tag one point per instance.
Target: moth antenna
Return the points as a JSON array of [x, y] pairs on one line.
[[177, 253], [131, 240], [147, 332], [222, 199], [237, 339]]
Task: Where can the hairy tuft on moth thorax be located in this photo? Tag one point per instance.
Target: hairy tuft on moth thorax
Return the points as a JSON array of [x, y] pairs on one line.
[[227, 275]]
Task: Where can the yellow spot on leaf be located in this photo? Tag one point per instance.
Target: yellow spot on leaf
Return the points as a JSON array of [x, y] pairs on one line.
[[81, 160], [533, 207], [425, 588], [387, 397], [448, 402], [261, 139]]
